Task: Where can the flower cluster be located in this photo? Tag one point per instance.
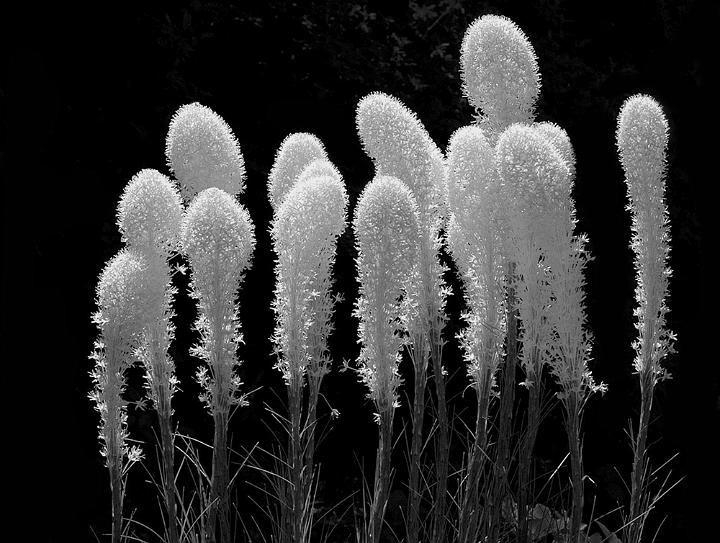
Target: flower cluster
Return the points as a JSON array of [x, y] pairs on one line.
[[642, 141], [304, 232], [499, 73], [202, 152], [295, 153], [217, 236], [386, 229], [474, 240]]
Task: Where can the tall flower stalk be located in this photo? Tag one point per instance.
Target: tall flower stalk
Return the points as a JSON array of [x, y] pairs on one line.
[[565, 257], [400, 147], [218, 238], [387, 232], [310, 217], [501, 80], [532, 172], [475, 242], [121, 293], [149, 216], [642, 137]]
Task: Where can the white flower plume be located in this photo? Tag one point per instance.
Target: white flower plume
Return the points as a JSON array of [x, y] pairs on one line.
[[304, 232], [399, 145], [217, 236], [150, 212], [499, 72], [295, 153], [642, 137], [202, 151], [387, 232], [475, 242], [122, 313]]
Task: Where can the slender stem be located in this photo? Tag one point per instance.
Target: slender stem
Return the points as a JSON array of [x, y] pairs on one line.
[[526, 454], [295, 391], [419, 355], [442, 445], [639, 461], [468, 523], [219, 511], [573, 431], [382, 475], [166, 439], [507, 400]]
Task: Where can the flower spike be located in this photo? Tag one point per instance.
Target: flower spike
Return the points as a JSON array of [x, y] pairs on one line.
[[202, 151], [499, 72]]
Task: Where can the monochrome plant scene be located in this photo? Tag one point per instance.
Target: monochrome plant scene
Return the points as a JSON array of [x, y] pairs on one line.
[[475, 331]]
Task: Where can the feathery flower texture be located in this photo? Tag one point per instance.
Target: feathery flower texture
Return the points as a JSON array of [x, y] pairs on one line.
[[386, 228], [475, 242], [295, 153], [202, 152], [217, 236], [121, 300], [642, 141], [499, 73], [305, 230]]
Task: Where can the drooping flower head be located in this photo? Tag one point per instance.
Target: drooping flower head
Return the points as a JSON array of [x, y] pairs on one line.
[[642, 138], [387, 232], [202, 151], [305, 231], [399, 145], [150, 212], [499, 72], [218, 237], [295, 153]]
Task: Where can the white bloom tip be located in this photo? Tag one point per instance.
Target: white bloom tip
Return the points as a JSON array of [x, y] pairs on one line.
[[202, 151]]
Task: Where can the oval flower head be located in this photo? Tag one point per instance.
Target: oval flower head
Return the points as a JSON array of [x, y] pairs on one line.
[[399, 145], [218, 237], [122, 303], [202, 151], [387, 232], [534, 178], [295, 153], [561, 141], [150, 212], [319, 167], [305, 232], [642, 137], [499, 72], [472, 181]]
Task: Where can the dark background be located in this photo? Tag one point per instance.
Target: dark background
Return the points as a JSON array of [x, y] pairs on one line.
[[86, 98]]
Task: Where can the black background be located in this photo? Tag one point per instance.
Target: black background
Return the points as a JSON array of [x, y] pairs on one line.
[[87, 94]]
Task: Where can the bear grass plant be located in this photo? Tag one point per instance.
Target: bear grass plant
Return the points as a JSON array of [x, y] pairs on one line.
[[500, 201]]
